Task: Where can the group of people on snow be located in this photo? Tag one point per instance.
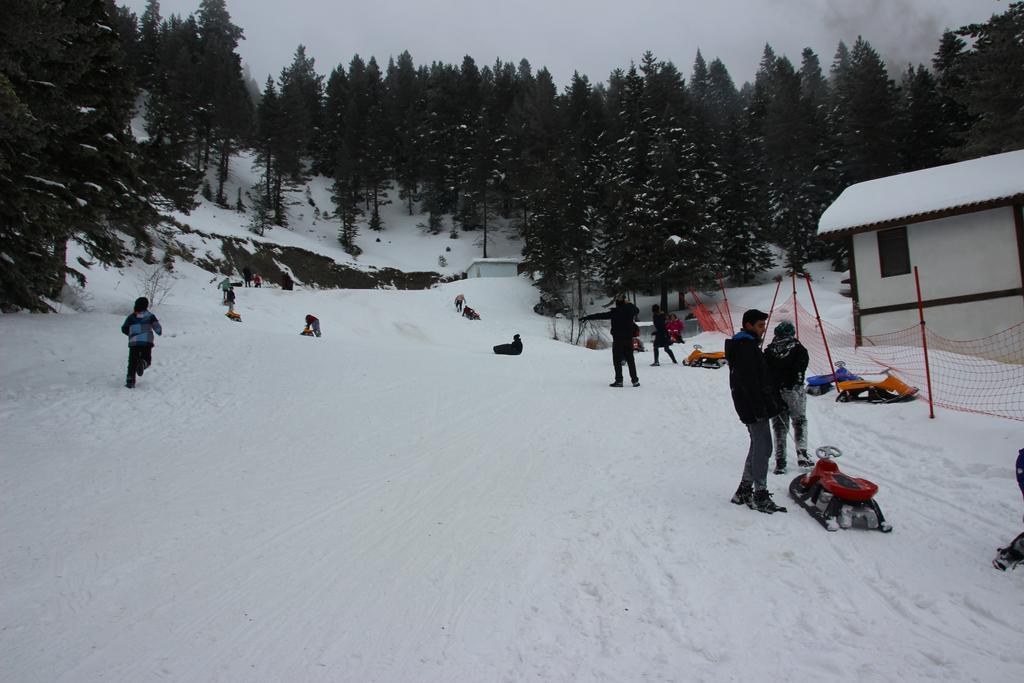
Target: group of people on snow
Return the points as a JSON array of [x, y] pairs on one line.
[[514, 348], [250, 278], [767, 386], [464, 309]]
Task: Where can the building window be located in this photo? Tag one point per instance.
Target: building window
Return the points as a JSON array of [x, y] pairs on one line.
[[893, 253]]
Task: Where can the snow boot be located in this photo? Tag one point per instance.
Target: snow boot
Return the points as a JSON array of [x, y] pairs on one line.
[[654, 365], [141, 367], [1010, 556], [743, 493], [130, 384], [616, 383], [780, 466], [762, 502], [802, 459], [636, 383]]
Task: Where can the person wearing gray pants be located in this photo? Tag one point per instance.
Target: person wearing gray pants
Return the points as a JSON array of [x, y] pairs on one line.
[[787, 360], [756, 402]]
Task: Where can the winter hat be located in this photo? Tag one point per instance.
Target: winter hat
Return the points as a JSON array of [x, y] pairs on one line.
[[141, 304], [516, 337], [785, 329]]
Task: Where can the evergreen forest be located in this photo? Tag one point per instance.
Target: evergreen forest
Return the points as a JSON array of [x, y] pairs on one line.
[[657, 177]]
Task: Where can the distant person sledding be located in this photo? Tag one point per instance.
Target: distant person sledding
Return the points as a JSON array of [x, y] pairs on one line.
[[513, 349], [312, 328], [460, 301], [230, 295], [468, 312]]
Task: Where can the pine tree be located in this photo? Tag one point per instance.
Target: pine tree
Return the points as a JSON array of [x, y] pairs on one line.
[[225, 112], [300, 102], [68, 166], [948, 63], [994, 83], [926, 136], [403, 106], [271, 147], [866, 120], [150, 49]]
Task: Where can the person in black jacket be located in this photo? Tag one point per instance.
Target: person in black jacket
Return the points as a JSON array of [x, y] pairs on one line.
[[755, 400], [662, 339], [623, 318], [787, 363], [513, 349]]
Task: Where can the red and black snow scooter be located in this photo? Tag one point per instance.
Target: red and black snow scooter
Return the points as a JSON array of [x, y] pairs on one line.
[[836, 500]]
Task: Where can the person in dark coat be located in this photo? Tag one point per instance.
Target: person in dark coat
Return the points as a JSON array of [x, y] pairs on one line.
[[662, 338], [139, 327], [787, 362], [623, 317], [286, 282], [754, 397], [513, 349], [247, 275]]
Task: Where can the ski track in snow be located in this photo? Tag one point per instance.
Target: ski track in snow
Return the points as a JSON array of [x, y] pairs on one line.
[[394, 503]]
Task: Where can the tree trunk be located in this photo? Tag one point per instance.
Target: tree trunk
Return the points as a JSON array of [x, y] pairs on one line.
[[60, 262]]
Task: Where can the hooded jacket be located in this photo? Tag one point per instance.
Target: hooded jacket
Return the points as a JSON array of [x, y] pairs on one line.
[[753, 394], [140, 327], [787, 361]]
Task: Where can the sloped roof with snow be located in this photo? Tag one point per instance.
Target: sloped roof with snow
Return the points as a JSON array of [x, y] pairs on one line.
[[975, 185]]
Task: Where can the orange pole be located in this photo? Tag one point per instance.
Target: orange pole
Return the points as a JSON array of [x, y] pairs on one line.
[[725, 297], [817, 316], [924, 344], [771, 310], [796, 311]]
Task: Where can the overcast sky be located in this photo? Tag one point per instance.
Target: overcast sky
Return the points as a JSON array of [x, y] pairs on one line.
[[590, 36]]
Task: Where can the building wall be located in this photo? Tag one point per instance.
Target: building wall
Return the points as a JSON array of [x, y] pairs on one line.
[[960, 322], [956, 256], [493, 270]]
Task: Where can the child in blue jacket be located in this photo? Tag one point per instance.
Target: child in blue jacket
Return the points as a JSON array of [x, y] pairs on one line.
[[139, 327]]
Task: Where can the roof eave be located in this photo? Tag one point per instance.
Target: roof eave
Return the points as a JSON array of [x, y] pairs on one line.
[[957, 210]]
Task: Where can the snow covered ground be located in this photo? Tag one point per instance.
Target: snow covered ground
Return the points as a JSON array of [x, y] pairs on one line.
[[393, 502]]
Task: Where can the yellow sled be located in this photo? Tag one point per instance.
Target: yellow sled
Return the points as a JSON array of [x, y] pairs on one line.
[[889, 390], [701, 359], [234, 316]]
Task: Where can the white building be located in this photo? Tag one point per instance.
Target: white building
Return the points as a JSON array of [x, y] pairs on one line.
[[961, 225], [493, 267]]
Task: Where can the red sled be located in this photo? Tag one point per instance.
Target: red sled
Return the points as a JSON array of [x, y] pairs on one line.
[[836, 500]]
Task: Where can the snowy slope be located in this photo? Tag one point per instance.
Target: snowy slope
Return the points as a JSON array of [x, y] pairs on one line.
[[392, 502]]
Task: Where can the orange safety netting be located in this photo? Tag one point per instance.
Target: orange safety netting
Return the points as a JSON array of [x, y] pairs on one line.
[[980, 375]]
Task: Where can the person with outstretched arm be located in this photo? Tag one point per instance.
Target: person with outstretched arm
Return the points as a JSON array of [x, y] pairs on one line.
[[623, 317]]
